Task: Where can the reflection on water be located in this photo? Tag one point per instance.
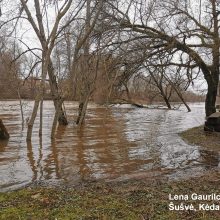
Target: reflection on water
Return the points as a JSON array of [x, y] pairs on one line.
[[116, 143]]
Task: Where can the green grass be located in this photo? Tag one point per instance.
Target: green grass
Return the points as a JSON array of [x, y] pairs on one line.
[[126, 200]]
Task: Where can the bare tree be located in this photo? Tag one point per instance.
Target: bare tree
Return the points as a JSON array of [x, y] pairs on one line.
[[85, 79], [179, 26], [47, 44]]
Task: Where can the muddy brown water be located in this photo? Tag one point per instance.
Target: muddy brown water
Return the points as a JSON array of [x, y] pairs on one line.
[[116, 143]]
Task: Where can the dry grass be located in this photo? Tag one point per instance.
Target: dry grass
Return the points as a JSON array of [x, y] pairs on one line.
[[198, 136], [141, 199]]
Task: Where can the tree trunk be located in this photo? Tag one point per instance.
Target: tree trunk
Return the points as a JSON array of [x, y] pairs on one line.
[[57, 113], [182, 99], [82, 110], [38, 98], [3, 132], [167, 102], [179, 94], [21, 107], [127, 91], [159, 84], [33, 116], [41, 117], [55, 95], [211, 99]]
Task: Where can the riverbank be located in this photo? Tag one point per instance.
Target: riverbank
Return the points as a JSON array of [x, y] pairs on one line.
[[198, 136], [135, 199]]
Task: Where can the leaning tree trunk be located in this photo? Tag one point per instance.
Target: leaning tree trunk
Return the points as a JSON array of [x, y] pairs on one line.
[[165, 98], [182, 99], [3, 132], [33, 115], [179, 94], [166, 101], [159, 85]]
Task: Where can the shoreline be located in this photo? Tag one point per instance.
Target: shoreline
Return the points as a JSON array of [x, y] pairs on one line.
[[197, 136]]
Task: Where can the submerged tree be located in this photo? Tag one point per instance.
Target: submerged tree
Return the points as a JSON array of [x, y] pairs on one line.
[[83, 73], [47, 42]]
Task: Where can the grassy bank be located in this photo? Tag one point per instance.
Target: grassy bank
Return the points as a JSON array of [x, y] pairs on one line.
[[127, 200], [199, 137]]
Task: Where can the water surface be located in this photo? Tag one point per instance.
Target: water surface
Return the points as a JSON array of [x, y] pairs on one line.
[[116, 143]]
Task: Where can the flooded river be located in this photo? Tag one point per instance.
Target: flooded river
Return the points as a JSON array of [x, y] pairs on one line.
[[116, 143]]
